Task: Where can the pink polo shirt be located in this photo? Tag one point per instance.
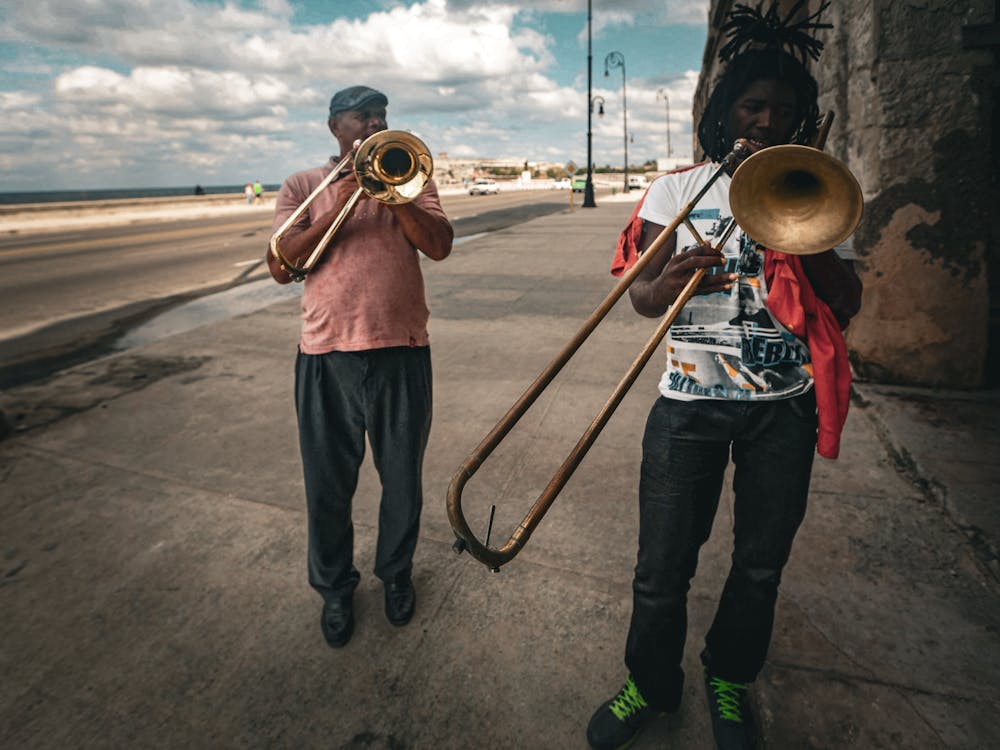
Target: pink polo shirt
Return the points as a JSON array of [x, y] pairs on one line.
[[366, 291]]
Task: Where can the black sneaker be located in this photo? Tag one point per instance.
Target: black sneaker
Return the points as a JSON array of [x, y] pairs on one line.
[[732, 720], [617, 723]]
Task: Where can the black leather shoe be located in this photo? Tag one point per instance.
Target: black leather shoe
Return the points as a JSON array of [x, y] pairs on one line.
[[400, 600], [337, 621]]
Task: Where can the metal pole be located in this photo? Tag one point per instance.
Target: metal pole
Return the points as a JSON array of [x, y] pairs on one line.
[[617, 60], [625, 119], [588, 188], [670, 151], [666, 98]]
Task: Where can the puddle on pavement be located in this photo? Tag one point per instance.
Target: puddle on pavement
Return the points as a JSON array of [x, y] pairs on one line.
[[240, 300]]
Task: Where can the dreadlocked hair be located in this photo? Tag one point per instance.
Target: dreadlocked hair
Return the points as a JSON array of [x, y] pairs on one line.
[[764, 46], [748, 26]]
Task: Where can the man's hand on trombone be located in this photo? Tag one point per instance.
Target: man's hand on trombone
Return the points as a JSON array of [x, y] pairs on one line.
[[660, 282], [299, 240]]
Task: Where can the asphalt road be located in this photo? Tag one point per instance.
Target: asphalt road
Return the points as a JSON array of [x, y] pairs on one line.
[[65, 296]]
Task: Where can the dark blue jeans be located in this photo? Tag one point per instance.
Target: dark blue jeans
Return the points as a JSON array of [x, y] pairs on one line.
[[339, 398], [686, 448]]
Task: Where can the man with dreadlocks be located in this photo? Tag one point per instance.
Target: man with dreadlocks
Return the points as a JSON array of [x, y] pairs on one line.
[[750, 358]]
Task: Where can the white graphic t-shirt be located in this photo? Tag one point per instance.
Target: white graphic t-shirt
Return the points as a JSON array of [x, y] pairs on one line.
[[724, 345]]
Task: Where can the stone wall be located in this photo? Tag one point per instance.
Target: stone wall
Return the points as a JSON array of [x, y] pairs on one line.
[[914, 122]]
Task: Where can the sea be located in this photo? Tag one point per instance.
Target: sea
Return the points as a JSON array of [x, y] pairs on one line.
[[102, 194]]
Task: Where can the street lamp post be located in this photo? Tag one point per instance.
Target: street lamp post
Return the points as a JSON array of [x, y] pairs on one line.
[[595, 101], [588, 188], [663, 93], [617, 60]]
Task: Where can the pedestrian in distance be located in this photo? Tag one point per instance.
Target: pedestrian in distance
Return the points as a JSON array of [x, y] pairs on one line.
[[739, 383], [363, 365], [258, 191], [248, 192]]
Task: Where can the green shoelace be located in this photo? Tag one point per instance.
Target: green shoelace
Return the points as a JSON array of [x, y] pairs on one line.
[[628, 702], [727, 698]]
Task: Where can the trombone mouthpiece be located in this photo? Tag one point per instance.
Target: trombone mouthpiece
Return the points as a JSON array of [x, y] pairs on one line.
[[740, 151]]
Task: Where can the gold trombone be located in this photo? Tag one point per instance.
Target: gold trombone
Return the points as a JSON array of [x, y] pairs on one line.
[[391, 166], [791, 198]]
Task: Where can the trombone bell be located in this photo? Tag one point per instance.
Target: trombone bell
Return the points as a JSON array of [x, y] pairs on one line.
[[393, 166], [795, 199]]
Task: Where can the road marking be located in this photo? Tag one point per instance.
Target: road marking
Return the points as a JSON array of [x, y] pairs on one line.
[[246, 263], [154, 233], [468, 237]]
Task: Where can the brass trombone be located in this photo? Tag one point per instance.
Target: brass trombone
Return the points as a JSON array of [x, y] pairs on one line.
[[391, 166], [796, 199]]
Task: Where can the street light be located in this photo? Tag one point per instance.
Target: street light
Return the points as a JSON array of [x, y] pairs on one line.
[[599, 100], [617, 60], [666, 98], [588, 188]]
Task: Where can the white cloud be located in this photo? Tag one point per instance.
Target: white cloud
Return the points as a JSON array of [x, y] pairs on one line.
[[127, 84], [673, 11], [11, 101], [175, 91]]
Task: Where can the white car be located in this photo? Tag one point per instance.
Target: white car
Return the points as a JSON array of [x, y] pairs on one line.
[[484, 186], [563, 184]]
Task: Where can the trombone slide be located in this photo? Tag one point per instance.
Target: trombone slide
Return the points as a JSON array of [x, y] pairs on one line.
[[494, 558]]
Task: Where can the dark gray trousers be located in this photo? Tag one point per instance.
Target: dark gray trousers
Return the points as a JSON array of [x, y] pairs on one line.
[[339, 398], [686, 448]]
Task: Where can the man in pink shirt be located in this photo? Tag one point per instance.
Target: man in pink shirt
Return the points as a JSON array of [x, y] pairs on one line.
[[363, 365]]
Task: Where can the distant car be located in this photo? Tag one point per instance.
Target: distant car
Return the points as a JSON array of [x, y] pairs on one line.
[[637, 182], [579, 184], [484, 186], [563, 184]]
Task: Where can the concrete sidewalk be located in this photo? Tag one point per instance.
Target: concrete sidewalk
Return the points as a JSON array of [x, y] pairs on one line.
[[153, 531]]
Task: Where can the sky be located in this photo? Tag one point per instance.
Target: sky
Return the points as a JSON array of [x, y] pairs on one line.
[[151, 93]]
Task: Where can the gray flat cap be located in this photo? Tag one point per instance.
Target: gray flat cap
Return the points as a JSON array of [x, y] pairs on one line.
[[354, 97]]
